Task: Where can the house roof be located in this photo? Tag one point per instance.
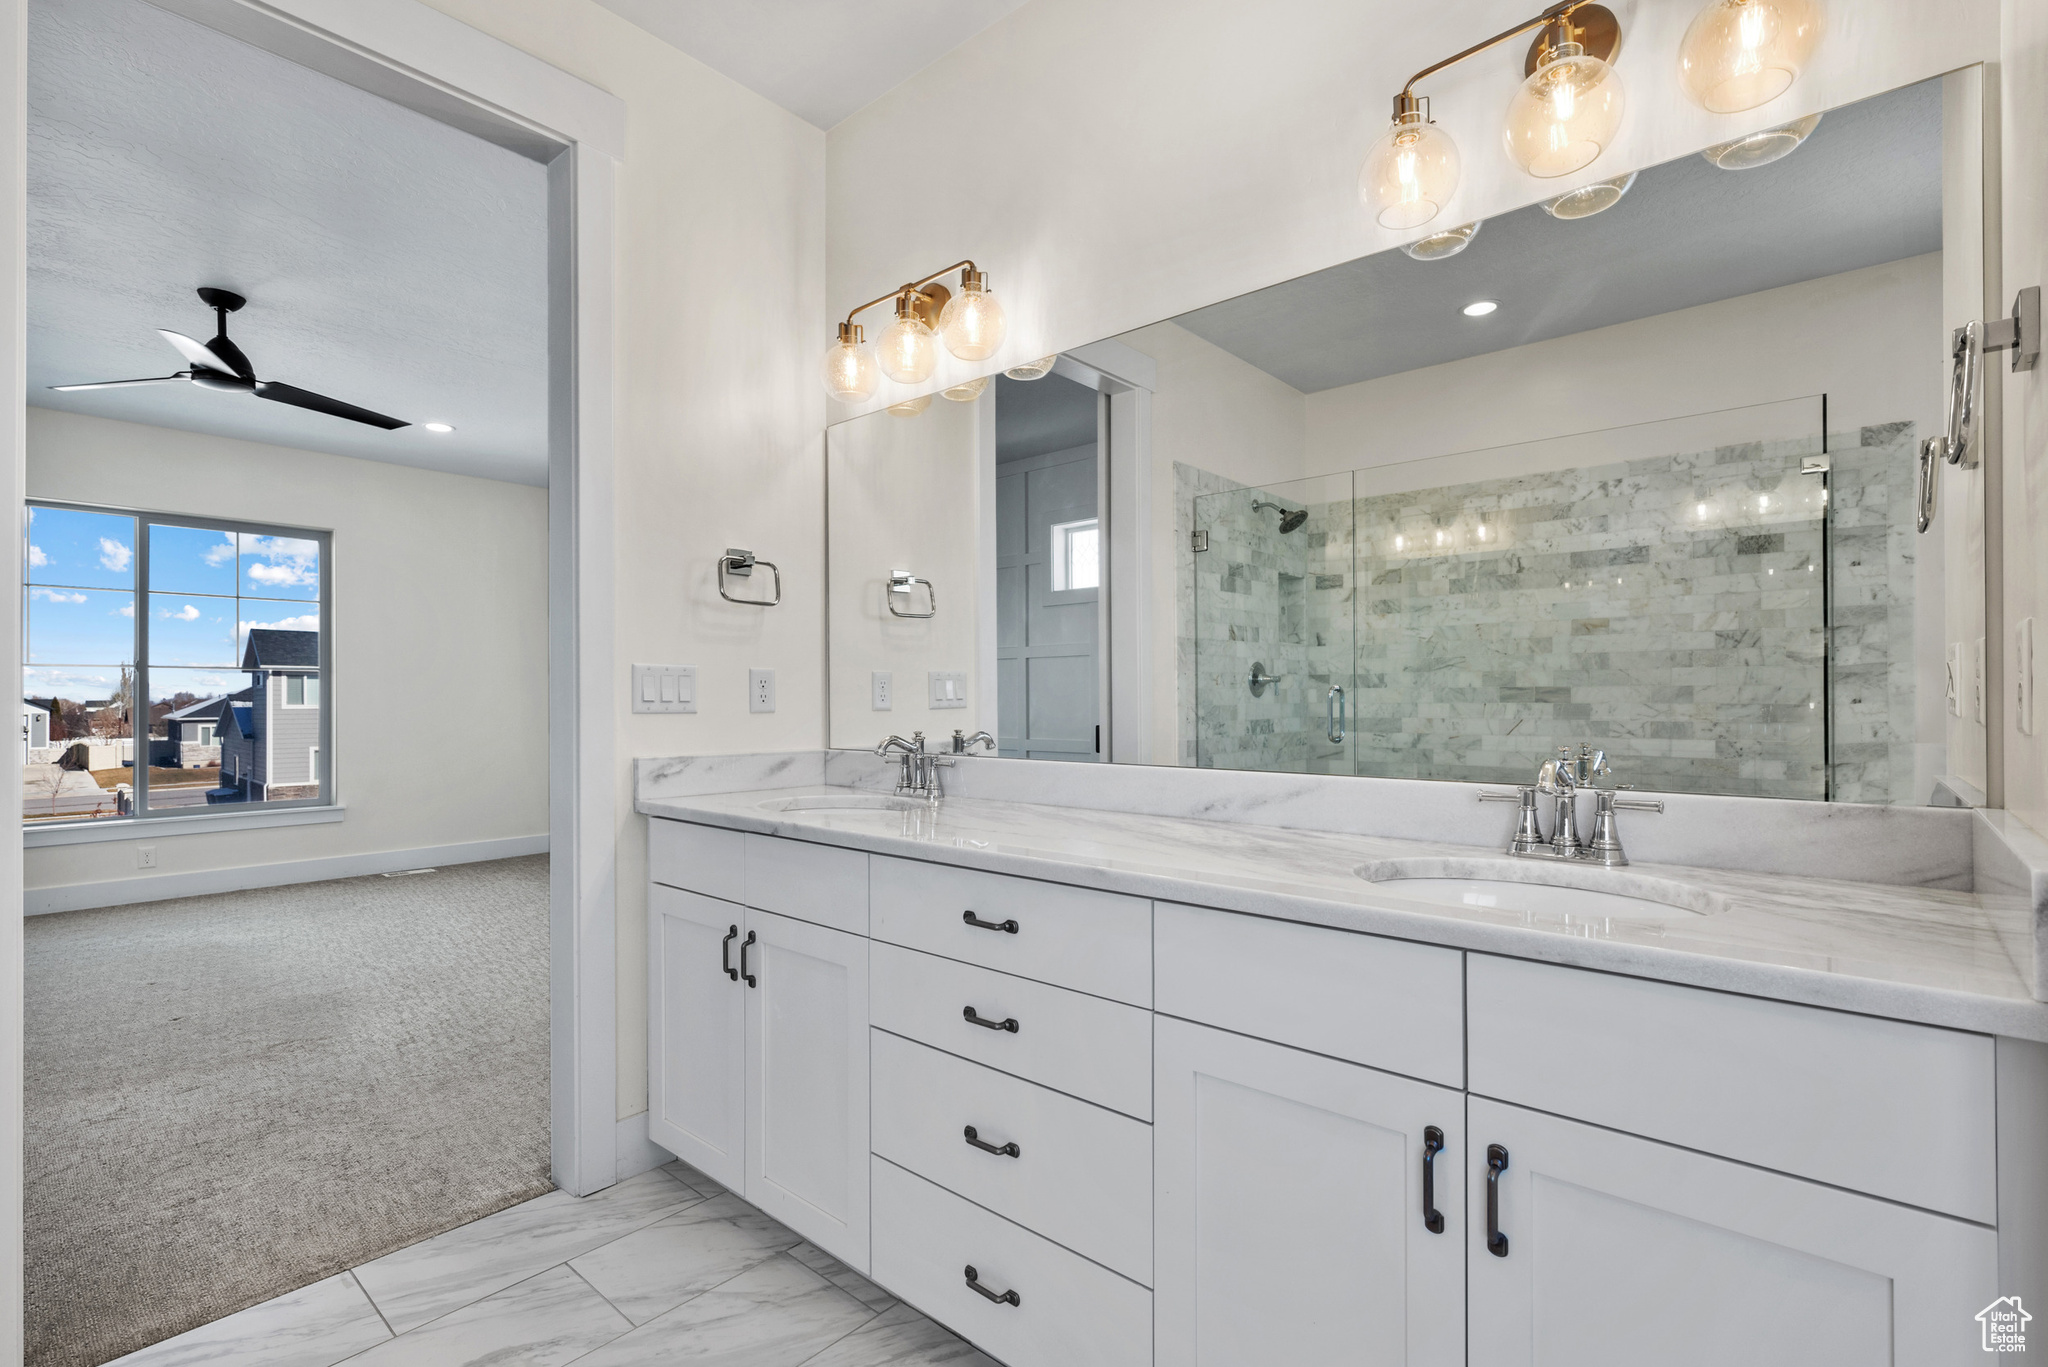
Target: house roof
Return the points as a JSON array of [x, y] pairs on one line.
[[238, 715], [273, 649], [209, 709]]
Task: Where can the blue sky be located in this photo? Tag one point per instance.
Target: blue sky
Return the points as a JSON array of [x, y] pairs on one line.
[[209, 589]]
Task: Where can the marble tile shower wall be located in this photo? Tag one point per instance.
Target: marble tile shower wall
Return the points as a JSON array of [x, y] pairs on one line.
[[1667, 609]]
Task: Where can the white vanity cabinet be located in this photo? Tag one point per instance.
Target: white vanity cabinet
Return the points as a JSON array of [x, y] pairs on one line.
[[758, 1032]]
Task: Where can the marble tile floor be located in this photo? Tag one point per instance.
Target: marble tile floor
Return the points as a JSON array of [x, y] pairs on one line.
[[667, 1267]]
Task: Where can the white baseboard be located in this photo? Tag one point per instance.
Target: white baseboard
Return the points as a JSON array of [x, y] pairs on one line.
[[638, 1153], [116, 892]]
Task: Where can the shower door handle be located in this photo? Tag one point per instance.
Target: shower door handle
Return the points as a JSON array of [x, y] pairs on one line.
[[1335, 714]]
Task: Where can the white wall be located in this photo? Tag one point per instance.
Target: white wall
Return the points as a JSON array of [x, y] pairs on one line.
[[439, 644], [719, 324], [904, 494], [1114, 162]]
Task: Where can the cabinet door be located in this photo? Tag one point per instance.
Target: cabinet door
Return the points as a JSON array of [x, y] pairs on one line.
[[696, 1041], [807, 1081], [1288, 1203], [1620, 1251]]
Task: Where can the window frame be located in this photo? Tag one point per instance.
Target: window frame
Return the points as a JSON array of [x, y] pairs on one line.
[[140, 811], [1060, 578]]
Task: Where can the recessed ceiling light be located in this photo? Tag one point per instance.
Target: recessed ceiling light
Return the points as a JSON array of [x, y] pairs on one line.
[[1479, 308], [437, 427]]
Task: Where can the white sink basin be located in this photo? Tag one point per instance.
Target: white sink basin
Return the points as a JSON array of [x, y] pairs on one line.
[[845, 802], [1543, 891]]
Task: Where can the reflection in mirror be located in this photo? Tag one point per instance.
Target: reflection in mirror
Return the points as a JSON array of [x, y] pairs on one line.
[[1634, 468]]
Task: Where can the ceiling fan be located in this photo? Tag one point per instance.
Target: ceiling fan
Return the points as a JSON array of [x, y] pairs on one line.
[[220, 364]]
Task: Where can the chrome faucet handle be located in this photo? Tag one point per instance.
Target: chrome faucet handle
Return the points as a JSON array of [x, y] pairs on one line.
[[1556, 776]]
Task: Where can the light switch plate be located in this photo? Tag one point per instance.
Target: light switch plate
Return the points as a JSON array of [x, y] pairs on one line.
[[664, 688], [948, 689], [760, 690], [882, 691]]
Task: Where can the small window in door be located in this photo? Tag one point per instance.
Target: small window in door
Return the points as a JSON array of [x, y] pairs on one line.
[[1076, 555]]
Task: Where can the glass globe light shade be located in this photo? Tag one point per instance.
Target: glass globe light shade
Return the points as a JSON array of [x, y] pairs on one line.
[[908, 349], [1033, 370], [1440, 245], [1761, 148], [1565, 114], [850, 372], [910, 408], [968, 392], [972, 321], [1410, 173], [1738, 54], [1588, 200]]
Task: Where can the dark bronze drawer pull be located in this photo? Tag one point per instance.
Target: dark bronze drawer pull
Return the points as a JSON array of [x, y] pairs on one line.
[[752, 981], [725, 953], [1009, 1150], [1496, 1164], [1432, 1145], [969, 1015], [1004, 1298], [1007, 927]]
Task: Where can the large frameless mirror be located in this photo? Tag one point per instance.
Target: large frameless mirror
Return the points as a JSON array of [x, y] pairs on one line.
[[1639, 469]]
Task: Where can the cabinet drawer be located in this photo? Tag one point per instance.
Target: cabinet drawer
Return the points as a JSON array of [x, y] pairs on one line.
[[702, 859], [1384, 1003], [1900, 1111], [1069, 1312], [1081, 1176], [1098, 1050], [819, 883], [1099, 942]]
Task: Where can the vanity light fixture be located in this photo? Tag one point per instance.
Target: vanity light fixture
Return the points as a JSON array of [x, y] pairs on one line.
[[1738, 54], [1588, 200], [971, 323], [1439, 246], [910, 408], [1763, 147], [967, 393], [1479, 308], [1033, 370]]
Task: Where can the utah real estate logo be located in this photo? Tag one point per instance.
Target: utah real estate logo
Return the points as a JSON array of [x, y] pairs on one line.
[[2005, 1325]]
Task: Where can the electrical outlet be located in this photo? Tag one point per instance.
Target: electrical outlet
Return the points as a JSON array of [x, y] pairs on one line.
[[145, 856], [948, 690], [882, 690], [2023, 676], [760, 690], [664, 688]]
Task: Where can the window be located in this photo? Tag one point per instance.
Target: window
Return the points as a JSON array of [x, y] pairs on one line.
[[1076, 555], [130, 620]]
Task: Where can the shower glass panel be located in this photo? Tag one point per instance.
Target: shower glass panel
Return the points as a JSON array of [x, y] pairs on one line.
[[1273, 629]]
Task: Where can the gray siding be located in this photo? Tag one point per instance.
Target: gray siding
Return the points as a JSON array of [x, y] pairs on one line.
[[289, 735]]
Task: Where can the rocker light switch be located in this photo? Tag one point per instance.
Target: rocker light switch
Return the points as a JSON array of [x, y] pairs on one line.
[[948, 690], [664, 688]]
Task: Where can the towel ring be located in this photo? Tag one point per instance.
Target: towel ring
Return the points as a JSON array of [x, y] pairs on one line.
[[901, 582], [740, 565]]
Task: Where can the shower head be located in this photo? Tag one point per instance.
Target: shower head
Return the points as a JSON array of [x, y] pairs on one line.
[[1288, 521]]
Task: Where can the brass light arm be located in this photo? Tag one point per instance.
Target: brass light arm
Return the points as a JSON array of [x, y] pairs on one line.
[[911, 288], [1558, 14]]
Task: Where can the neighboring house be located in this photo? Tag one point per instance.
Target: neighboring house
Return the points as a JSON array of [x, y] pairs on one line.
[[191, 738], [270, 742], [35, 729]]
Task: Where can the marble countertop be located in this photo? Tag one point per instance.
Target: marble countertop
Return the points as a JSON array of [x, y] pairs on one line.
[[1909, 953]]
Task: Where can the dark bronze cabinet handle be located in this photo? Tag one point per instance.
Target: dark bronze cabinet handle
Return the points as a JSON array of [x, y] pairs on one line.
[[1003, 1298], [1496, 1164], [1432, 1145], [725, 953], [1009, 1150], [1007, 927], [968, 1014], [752, 981]]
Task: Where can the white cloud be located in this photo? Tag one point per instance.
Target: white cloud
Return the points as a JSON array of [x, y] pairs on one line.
[[309, 622], [36, 558], [125, 610], [282, 561], [56, 596], [223, 554], [188, 613], [114, 555]]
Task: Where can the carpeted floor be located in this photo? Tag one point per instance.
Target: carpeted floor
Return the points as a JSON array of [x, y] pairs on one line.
[[230, 1097]]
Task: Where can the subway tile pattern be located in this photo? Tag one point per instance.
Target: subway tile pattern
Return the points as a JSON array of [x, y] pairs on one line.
[[665, 1267]]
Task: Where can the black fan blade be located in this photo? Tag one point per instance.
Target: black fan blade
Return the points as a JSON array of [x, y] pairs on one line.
[[123, 384], [320, 403]]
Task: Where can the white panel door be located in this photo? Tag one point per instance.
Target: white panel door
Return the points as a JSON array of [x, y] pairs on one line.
[[1615, 1251], [696, 1031], [807, 1081], [1290, 1210]]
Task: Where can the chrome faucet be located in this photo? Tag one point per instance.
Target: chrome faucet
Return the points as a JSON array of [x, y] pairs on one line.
[[1562, 779], [961, 743], [920, 776]]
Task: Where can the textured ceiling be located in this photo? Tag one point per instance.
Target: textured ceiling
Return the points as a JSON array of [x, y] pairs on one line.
[[1037, 416], [389, 260], [1864, 189], [819, 59]]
